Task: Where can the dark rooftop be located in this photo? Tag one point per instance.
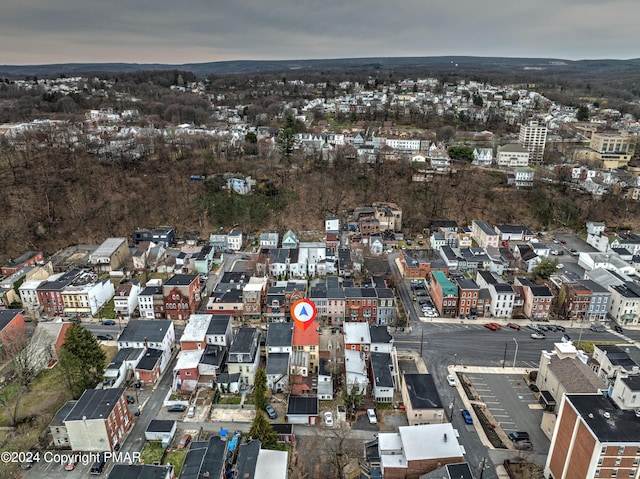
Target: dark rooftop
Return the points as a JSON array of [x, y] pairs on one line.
[[247, 459], [608, 423], [218, 324], [181, 280], [140, 330], [379, 334], [304, 405], [149, 361], [63, 412], [159, 425], [244, 340], [381, 365], [277, 363], [7, 315], [422, 391], [280, 334], [95, 404], [138, 471]]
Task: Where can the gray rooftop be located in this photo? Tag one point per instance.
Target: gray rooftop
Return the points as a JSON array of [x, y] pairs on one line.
[[575, 376], [617, 426], [423, 393], [277, 363], [139, 330], [95, 404], [381, 364], [280, 335]]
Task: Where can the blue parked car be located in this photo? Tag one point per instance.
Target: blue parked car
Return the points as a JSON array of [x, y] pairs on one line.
[[467, 416], [108, 322]]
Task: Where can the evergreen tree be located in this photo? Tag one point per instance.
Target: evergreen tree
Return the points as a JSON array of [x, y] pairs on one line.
[[260, 388], [582, 113], [82, 359], [262, 430]]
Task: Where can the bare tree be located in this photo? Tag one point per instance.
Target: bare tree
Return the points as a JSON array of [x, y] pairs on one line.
[[21, 371]]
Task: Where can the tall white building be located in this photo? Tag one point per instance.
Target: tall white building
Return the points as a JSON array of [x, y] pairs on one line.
[[533, 137]]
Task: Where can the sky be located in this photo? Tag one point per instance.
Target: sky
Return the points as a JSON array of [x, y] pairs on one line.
[[196, 31]]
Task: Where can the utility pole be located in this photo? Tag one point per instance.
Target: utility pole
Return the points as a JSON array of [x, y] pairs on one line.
[[482, 465], [421, 342], [515, 356], [504, 358]]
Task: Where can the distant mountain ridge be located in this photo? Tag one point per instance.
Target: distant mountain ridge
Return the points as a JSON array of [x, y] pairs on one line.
[[438, 64]]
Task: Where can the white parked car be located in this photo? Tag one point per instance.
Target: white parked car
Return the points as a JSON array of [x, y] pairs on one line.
[[451, 380], [371, 414], [328, 419]]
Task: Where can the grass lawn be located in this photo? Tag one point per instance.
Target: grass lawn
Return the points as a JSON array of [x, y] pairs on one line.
[[108, 311], [229, 400], [177, 459], [152, 452]]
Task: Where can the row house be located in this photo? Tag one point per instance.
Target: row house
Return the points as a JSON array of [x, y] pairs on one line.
[[126, 299], [50, 291], [203, 330], [625, 303], [226, 299], [503, 298], [599, 304], [361, 304], [537, 299], [86, 295], [158, 335], [444, 294], [468, 292], [30, 258], [182, 296], [274, 310], [576, 303], [484, 235], [151, 301], [307, 344], [253, 298], [244, 355]]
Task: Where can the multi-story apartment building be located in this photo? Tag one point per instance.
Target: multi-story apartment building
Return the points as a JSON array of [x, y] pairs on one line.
[[600, 300], [244, 355], [151, 302], [537, 299], [444, 294], [468, 292], [513, 156], [484, 235], [625, 303], [308, 341], [182, 296], [502, 300], [533, 137], [576, 302], [98, 420], [593, 438]]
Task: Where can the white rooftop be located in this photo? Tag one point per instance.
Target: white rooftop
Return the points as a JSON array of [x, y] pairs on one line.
[[188, 359], [427, 441], [107, 248], [356, 333], [271, 465], [196, 328]]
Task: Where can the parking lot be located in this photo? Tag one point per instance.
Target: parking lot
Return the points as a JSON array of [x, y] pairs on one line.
[[512, 404]]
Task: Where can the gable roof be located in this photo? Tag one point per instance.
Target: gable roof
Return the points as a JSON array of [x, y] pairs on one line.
[[138, 330]]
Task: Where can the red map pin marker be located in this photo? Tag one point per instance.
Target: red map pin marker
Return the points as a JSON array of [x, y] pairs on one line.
[[303, 312]]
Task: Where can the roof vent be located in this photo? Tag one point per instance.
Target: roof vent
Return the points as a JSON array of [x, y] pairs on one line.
[[607, 415], [591, 415]]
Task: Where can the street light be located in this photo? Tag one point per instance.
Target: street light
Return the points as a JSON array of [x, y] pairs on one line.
[[455, 359], [515, 356]]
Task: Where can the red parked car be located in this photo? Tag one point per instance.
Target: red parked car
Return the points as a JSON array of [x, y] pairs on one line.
[[513, 326], [492, 326]]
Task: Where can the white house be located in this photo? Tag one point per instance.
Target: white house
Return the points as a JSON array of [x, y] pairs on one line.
[[483, 156], [126, 299], [513, 155], [234, 240], [158, 334], [356, 370], [502, 299]]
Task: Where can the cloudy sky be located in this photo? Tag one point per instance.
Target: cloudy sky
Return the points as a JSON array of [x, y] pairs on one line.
[[185, 31]]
